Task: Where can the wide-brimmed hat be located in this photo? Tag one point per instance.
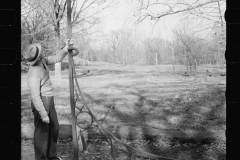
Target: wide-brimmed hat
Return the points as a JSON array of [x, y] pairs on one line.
[[32, 52]]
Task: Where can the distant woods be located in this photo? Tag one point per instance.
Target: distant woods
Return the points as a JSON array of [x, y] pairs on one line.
[[44, 21]]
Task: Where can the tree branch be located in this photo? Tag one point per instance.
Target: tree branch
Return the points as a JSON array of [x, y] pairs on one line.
[[171, 12]]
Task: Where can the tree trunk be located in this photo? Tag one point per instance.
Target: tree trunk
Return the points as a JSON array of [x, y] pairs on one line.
[[173, 59], [156, 59], [91, 56], [126, 58], [86, 59], [123, 58]]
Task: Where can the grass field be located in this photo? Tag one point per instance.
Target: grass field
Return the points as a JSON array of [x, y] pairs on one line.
[[152, 96]]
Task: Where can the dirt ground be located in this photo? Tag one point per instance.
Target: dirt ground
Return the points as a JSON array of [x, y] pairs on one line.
[[156, 97]]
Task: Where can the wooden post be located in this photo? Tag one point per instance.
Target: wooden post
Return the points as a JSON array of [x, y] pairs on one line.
[[156, 59], [173, 59], [71, 84], [58, 77]]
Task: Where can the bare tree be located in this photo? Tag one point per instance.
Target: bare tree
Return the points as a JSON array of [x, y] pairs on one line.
[[34, 25], [211, 12], [154, 48], [190, 47], [113, 40], [85, 12], [126, 45], [122, 44], [156, 9], [82, 15], [83, 42]]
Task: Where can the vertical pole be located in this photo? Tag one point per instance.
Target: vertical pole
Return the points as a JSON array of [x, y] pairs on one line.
[[58, 77], [71, 84], [156, 59], [173, 59]]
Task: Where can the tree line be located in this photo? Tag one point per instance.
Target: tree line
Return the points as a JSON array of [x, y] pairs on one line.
[[44, 21]]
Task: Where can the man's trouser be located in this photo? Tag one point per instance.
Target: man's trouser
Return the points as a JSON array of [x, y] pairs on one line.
[[45, 134]]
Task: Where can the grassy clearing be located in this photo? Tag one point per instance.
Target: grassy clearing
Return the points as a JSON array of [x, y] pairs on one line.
[[143, 95], [148, 96]]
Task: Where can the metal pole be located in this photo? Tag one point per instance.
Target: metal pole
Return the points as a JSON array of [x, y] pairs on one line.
[[71, 84]]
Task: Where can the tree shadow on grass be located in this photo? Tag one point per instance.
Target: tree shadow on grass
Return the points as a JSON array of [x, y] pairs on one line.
[[193, 111], [200, 113], [213, 102]]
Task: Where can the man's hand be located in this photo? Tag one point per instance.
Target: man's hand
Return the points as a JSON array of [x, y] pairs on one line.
[[46, 120], [70, 43]]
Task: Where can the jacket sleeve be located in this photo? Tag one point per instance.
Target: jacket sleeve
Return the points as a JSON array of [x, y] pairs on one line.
[[56, 58], [34, 85]]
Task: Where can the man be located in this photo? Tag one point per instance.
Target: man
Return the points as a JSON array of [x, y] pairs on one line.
[[42, 100]]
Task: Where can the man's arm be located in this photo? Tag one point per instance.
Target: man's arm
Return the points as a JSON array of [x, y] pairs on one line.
[[58, 57], [34, 84]]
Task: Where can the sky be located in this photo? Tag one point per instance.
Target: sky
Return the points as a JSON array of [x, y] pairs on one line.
[[121, 16]]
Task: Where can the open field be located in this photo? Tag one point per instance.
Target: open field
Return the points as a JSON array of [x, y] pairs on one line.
[[140, 96]]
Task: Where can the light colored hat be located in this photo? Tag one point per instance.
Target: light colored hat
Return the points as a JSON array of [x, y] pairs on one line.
[[32, 52]]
